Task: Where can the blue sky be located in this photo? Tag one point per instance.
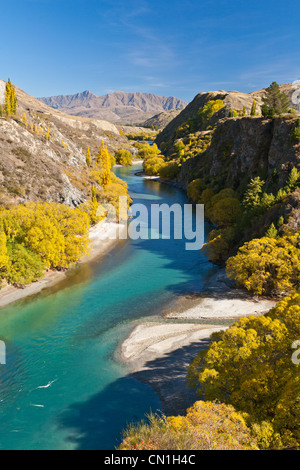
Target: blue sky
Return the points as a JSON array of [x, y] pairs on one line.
[[166, 47]]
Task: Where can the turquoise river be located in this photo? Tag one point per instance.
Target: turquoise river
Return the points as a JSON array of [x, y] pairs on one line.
[[63, 386]]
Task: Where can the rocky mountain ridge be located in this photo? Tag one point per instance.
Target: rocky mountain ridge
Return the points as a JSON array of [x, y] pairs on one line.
[[118, 107]]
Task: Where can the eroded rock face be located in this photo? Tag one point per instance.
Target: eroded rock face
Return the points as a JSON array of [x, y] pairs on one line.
[[243, 148], [34, 169]]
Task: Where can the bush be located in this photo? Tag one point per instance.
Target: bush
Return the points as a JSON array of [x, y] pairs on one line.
[[206, 426], [217, 248], [153, 165], [148, 151], [195, 189], [225, 211], [123, 157], [267, 266], [169, 171], [24, 265], [250, 367]]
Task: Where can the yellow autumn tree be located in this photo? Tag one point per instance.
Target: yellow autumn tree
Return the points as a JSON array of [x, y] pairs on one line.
[[25, 120], [4, 259], [195, 189], [55, 233], [250, 366], [10, 105], [206, 426], [267, 265], [88, 158], [104, 161], [153, 165]]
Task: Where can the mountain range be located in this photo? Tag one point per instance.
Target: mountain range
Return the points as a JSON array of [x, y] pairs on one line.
[[118, 107]]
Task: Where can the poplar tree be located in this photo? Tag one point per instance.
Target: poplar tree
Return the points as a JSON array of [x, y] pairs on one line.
[[10, 99], [103, 159], [25, 121], [94, 196], [88, 158], [253, 109]]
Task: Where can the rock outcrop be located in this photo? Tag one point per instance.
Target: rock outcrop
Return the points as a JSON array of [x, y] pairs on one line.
[[233, 100], [243, 148]]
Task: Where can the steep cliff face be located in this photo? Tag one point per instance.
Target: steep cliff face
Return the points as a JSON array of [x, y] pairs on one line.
[[243, 148]]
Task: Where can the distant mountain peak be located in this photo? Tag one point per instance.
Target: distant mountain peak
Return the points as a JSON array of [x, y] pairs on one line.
[[118, 106]]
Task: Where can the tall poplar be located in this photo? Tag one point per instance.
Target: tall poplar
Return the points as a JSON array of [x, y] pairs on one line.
[[88, 158], [103, 159]]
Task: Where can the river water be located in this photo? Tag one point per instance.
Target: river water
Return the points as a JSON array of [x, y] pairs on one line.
[[63, 387]]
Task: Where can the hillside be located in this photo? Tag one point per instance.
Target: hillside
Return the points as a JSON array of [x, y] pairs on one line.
[[220, 158], [118, 107], [33, 168], [232, 100], [161, 120]]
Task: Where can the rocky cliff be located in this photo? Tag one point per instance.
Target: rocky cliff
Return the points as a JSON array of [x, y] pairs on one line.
[[233, 100], [243, 148], [34, 167]]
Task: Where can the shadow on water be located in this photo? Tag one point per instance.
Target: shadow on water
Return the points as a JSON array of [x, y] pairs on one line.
[[94, 424]]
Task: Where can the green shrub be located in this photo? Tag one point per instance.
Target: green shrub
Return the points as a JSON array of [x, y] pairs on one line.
[[195, 189], [169, 171]]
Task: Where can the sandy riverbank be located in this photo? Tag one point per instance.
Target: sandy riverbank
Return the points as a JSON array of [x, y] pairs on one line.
[[159, 353], [102, 239]]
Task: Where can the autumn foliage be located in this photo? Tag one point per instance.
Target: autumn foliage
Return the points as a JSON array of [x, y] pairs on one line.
[[250, 366], [39, 236], [206, 426], [267, 265]]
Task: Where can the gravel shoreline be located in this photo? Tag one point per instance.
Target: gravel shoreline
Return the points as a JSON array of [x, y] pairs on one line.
[[159, 353], [101, 241]]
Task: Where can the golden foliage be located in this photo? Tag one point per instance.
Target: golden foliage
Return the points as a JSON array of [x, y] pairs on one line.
[[153, 165], [267, 265], [250, 366], [206, 426], [53, 234]]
